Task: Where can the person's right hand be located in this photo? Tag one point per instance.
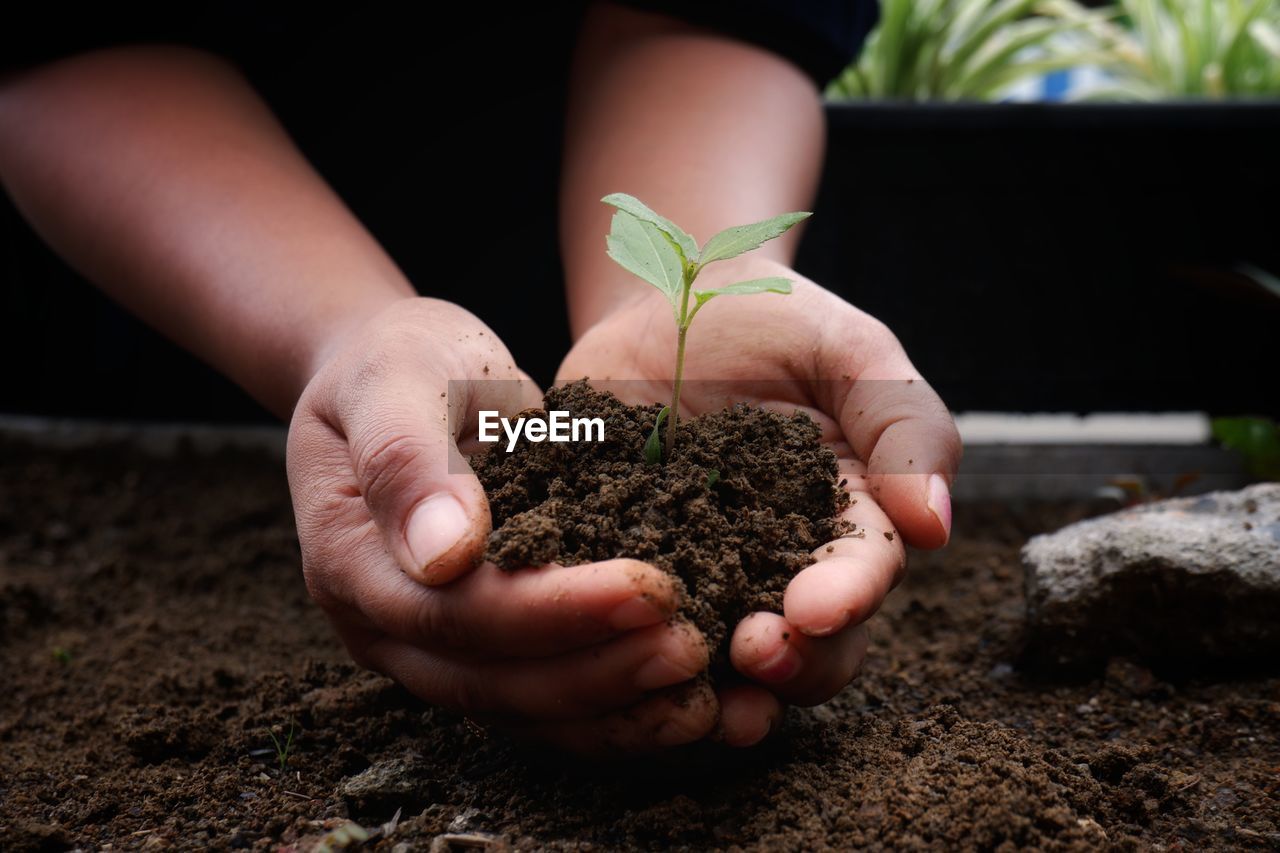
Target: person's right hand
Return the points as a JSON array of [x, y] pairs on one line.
[[578, 656]]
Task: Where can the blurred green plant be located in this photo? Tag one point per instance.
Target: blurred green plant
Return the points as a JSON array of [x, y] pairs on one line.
[[948, 50], [1184, 48], [1256, 439]]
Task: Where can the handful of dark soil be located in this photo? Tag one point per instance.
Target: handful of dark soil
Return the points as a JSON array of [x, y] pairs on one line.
[[733, 514]]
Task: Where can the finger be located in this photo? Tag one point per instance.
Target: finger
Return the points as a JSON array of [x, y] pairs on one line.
[[431, 510], [678, 716], [895, 421], [571, 686], [852, 574], [799, 669], [533, 612], [912, 450], [748, 713]]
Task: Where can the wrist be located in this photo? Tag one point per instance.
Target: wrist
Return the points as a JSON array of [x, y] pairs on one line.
[[333, 330]]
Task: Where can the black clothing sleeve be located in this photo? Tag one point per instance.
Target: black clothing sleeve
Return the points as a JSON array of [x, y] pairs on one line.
[[821, 37]]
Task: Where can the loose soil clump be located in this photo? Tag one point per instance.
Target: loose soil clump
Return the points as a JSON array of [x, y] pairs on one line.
[[733, 514]]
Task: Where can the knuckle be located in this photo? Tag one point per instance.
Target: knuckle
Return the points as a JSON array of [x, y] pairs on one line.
[[442, 625], [878, 333], [383, 461], [470, 695]]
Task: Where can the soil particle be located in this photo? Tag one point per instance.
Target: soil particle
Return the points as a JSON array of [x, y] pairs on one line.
[[733, 541], [177, 592]]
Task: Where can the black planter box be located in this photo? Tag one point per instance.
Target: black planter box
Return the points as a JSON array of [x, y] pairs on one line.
[[1062, 257]]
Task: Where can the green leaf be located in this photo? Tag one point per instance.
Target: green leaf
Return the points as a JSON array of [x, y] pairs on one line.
[[773, 284], [640, 248], [995, 58], [640, 210], [993, 18], [713, 477], [1267, 36], [732, 242], [653, 444]]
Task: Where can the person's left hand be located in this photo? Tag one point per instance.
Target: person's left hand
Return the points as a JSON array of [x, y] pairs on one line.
[[897, 446]]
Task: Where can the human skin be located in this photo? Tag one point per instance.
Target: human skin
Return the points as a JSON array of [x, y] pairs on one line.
[[712, 132]]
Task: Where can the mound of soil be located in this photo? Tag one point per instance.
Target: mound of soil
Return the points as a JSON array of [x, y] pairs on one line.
[[154, 629], [732, 514]]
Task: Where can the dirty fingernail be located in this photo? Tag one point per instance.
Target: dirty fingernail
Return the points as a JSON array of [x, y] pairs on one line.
[[783, 666], [940, 502], [677, 734], [434, 528], [635, 613], [694, 715]]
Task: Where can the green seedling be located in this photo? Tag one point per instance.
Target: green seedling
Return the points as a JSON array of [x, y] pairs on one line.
[[653, 444], [657, 250], [282, 750]]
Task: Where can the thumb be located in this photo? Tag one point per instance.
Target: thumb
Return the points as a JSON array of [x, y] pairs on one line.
[[912, 449], [430, 508]]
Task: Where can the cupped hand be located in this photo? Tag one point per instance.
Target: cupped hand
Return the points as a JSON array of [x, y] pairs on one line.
[[392, 524], [895, 442]]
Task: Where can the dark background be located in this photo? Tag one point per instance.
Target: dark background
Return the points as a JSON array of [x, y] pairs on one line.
[[1039, 257], [1030, 257]]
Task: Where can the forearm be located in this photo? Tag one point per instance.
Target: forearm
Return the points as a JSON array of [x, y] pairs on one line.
[[708, 131], [161, 176]]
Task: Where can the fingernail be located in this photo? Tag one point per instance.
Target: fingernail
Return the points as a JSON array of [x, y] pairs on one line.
[[677, 733], [660, 671], [434, 528], [635, 613], [783, 666], [691, 715], [940, 502]]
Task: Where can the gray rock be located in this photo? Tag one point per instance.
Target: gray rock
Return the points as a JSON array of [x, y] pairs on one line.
[[405, 783], [1180, 585]]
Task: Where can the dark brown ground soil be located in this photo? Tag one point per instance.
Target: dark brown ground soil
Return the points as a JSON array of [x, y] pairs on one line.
[[153, 626], [732, 538]]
